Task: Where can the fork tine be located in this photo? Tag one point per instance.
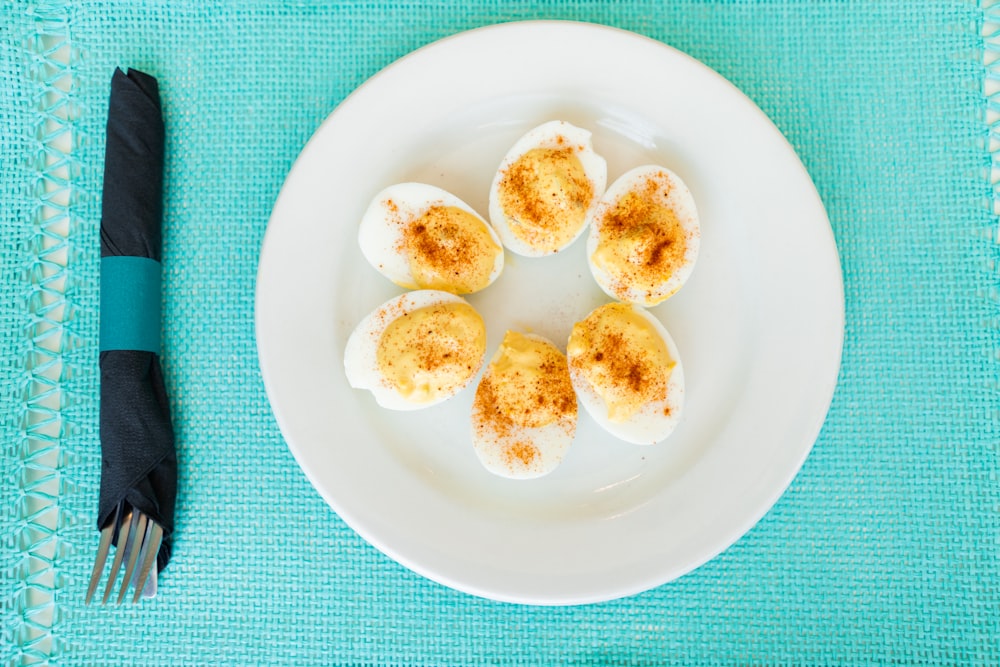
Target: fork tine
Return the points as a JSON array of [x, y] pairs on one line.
[[126, 527], [150, 548], [135, 546], [102, 554], [149, 590]]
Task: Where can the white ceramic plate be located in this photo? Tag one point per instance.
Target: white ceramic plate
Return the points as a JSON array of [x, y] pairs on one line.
[[759, 325]]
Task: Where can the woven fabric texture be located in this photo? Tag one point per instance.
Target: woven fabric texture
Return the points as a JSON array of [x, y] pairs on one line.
[[883, 550]]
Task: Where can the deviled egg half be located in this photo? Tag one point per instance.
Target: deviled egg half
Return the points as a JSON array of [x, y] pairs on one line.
[[546, 188], [416, 350], [644, 237], [525, 410], [422, 237], [627, 373]]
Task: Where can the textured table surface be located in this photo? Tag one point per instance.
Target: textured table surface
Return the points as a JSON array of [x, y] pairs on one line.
[[883, 550]]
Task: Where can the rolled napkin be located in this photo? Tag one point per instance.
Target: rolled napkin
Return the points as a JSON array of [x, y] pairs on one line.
[[139, 462]]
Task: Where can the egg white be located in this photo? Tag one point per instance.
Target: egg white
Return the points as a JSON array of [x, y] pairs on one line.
[[380, 233], [552, 440], [361, 352], [546, 136], [683, 205], [649, 425]]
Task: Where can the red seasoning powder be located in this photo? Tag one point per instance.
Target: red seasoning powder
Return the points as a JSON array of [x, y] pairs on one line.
[[546, 193], [448, 249], [526, 386], [431, 352], [641, 242], [622, 357]]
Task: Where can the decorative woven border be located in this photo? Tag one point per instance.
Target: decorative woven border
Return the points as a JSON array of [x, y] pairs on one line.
[[31, 615], [990, 33]]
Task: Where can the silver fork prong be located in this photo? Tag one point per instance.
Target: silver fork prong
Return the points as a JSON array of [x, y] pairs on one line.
[[150, 547], [126, 527], [102, 554], [136, 546], [149, 590]]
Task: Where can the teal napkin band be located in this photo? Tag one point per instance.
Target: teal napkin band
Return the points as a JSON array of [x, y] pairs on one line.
[[130, 304]]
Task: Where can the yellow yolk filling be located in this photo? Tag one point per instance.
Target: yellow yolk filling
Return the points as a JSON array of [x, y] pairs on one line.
[[449, 249], [546, 193], [623, 357], [433, 351], [640, 243], [527, 383]]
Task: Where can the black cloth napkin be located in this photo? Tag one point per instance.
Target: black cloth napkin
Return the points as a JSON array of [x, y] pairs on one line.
[[139, 461]]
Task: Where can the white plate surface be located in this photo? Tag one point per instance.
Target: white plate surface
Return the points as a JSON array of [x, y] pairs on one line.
[[759, 325]]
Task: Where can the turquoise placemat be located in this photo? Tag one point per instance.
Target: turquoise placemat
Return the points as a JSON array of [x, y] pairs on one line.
[[885, 548]]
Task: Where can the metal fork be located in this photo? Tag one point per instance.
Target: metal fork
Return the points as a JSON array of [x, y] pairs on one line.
[[139, 540]]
